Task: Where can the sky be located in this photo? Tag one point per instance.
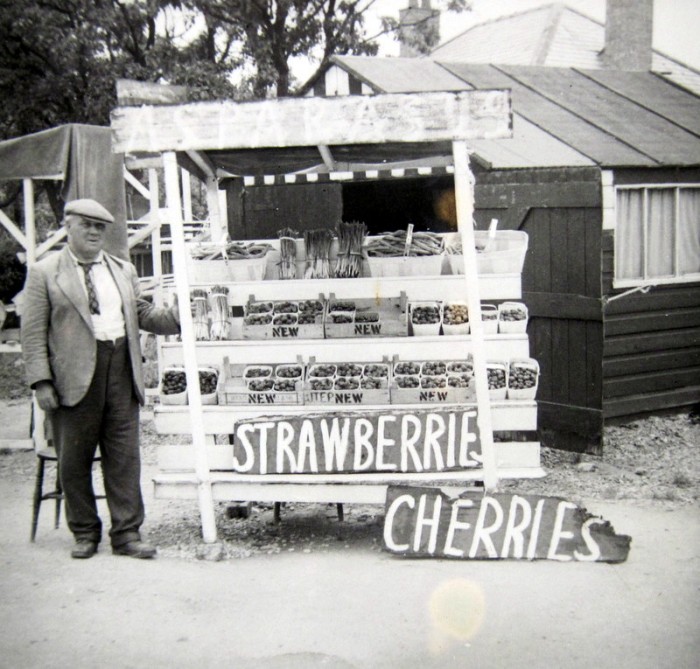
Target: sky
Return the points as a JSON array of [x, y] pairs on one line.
[[676, 22]]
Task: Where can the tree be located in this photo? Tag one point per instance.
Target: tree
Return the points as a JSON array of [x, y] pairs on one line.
[[59, 59], [274, 32]]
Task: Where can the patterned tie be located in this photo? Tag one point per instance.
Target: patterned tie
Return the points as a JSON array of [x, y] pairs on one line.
[[90, 286]]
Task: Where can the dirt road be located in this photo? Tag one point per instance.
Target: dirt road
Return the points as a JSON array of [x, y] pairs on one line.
[[356, 607]]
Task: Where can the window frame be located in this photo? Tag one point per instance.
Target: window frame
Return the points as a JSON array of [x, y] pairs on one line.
[[646, 280]]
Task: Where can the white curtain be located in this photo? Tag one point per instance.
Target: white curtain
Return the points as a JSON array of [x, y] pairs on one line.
[[648, 222], [629, 236], [689, 219], [661, 232]]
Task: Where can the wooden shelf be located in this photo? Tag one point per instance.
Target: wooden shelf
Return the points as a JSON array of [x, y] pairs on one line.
[[365, 349], [507, 415], [315, 488], [447, 286]]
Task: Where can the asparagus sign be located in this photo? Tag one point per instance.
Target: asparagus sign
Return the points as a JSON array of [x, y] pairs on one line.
[[425, 522], [410, 441]]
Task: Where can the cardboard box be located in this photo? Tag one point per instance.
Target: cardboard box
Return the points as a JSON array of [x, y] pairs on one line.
[[518, 385], [222, 270], [504, 254], [406, 265]]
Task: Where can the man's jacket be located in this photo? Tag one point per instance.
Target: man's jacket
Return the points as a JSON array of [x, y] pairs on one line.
[[58, 341]]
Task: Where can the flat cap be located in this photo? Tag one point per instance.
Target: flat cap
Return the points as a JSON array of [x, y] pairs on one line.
[[88, 208]]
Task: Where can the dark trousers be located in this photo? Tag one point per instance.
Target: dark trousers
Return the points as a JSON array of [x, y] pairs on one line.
[[108, 415]]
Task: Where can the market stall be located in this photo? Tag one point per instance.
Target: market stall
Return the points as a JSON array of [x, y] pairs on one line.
[[338, 366]]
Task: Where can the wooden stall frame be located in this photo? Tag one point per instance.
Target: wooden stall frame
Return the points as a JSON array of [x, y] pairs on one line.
[[319, 122]]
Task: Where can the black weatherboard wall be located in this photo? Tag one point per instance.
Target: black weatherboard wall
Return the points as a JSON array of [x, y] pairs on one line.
[[561, 212], [652, 341]]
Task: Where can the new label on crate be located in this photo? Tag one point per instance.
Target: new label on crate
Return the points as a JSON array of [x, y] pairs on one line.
[[408, 441], [425, 522]]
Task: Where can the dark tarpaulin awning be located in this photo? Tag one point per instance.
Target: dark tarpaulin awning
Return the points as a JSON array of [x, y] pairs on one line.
[[81, 156]]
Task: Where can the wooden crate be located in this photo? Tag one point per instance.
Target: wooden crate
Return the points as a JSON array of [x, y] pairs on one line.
[[237, 384], [370, 317], [282, 319], [433, 382], [338, 387]]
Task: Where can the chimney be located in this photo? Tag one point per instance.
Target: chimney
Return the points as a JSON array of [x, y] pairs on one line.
[[419, 29], [628, 34]]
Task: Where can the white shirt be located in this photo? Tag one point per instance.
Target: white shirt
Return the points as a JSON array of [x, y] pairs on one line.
[[109, 323]]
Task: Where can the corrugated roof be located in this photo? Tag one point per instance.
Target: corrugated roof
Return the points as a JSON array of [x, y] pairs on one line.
[[564, 116], [400, 75], [570, 128], [403, 75], [629, 121], [554, 35]]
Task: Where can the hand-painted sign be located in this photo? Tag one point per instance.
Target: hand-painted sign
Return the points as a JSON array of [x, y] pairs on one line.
[[435, 116], [408, 441], [425, 522]]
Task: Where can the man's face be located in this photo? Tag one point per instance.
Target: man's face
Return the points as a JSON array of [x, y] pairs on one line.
[[85, 237]]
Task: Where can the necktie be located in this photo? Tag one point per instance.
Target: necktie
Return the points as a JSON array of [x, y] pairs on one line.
[[90, 286]]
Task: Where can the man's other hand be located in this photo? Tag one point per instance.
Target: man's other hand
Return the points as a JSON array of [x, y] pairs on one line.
[[46, 395]]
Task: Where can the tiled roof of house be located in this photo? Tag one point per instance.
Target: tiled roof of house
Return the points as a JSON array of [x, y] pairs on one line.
[[554, 35]]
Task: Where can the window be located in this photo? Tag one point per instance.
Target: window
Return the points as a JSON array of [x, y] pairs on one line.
[[657, 235]]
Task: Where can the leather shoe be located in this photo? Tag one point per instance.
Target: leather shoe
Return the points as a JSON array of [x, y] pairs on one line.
[[83, 549], [136, 549]]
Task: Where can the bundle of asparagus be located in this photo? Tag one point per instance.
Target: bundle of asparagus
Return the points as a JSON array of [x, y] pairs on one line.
[[318, 253], [288, 253], [200, 314], [220, 324], [351, 237], [392, 244], [229, 251]]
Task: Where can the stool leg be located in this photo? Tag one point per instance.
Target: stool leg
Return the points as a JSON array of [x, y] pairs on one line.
[[38, 488], [339, 509], [59, 497]]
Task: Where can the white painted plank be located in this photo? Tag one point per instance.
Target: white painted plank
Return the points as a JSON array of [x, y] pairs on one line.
[[180, 458], [313, 121], [374, 349], [508, 415], [447, 286]]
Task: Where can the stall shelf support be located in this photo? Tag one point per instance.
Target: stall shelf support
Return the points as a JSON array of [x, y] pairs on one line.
[[464, 199], [206, 500]]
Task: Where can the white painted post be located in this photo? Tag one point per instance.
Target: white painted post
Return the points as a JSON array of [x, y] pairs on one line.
[[464, 199], [216, 228], [156, 250], [29, 220], [39, 417], [206, 501], [186, 195]]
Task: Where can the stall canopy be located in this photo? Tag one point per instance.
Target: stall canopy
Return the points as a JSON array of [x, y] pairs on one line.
[[81, 157]]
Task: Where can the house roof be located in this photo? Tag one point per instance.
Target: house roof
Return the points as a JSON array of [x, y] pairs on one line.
[[553, 35], [565, 116]]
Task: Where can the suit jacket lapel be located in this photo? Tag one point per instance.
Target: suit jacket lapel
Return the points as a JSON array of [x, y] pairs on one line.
[[68, 281]]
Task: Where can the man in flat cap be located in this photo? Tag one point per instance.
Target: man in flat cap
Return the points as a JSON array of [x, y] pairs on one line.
[[80, 342]]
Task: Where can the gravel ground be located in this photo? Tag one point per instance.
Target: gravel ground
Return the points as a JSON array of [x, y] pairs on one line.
[[654, 461]]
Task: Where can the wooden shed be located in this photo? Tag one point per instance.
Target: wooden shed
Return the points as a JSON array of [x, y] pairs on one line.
[[603, 173]]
